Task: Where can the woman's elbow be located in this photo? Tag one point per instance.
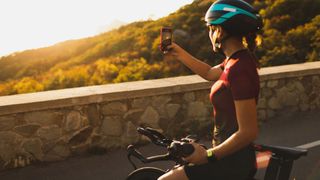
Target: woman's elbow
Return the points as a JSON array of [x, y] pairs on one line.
[[250, 135]]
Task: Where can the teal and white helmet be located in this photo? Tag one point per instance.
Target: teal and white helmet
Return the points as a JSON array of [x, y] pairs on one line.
[[237, 17]]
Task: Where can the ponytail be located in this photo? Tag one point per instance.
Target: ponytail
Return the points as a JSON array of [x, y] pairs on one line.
[[251, 41]]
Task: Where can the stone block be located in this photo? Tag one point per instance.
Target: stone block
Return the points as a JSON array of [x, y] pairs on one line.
[[141, 103], [9, 145], [73, 121], [262, 115], [189, 97], [290, 86], [50, 133], [114, 108], [27, 130], [299, 87], [80, 136], [80, 149], [57, 153], [110, 142], [93, 115], [7, 122], [150, 117], [274, 103], [304, 98], [44, 118], [203, 96], [158, 101], [112, 126], [172, 110], [290, 99], [162, 111], [316, 81], [262, 103], [266, 92], [133, 115], [197, 110], [33, 147], [272, 83], [281, 93], [130, 134]]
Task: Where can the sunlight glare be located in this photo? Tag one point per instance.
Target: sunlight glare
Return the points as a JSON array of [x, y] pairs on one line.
[[39, 23]]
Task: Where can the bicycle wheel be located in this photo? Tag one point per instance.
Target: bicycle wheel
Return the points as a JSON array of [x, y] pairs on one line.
[[146, 173]]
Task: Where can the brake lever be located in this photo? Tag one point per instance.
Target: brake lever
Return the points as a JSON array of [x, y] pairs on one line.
[[190, 138], [143, 131], [155, 132], [155, 136]]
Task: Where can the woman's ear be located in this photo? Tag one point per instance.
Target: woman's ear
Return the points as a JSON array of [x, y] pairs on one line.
[[220, 32]]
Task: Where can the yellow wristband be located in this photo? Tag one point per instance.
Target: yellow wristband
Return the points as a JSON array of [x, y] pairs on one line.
[[211, 156], [210, 152]]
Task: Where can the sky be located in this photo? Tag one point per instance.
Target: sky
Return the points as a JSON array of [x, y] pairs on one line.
[[28, 24]]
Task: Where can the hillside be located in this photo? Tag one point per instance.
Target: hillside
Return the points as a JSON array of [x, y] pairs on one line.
[[130, 53]]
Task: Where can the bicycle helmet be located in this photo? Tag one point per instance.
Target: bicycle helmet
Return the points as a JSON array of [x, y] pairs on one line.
[[237, 17]]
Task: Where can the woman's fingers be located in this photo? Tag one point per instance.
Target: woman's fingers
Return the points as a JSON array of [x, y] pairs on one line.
[[199, 156]]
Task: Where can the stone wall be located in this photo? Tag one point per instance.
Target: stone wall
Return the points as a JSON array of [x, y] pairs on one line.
[[53, 125]]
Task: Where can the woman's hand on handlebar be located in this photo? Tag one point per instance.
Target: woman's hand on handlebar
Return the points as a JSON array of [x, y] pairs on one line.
[[199, 156]]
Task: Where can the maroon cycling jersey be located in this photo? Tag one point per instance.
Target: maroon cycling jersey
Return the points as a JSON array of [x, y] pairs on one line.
[[238, 81]]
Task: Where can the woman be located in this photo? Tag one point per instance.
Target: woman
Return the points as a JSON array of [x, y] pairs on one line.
[[234, 95]]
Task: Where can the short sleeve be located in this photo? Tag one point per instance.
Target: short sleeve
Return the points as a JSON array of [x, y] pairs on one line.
[[222, 65], [242, 84]]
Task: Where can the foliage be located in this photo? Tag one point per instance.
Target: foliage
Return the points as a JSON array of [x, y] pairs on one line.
[[131, 53]]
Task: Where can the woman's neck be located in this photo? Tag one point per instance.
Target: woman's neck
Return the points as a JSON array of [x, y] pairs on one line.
[[231, 46]]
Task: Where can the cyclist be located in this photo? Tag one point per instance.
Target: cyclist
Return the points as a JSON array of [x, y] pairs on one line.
[[234, 95]]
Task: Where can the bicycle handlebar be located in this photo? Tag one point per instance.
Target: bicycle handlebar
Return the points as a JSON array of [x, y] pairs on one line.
[[176, 149]]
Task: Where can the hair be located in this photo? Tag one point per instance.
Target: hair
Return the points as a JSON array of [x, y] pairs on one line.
[[252, 41]]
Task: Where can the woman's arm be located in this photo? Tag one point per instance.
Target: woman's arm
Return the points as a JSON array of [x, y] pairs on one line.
[[202, 69]]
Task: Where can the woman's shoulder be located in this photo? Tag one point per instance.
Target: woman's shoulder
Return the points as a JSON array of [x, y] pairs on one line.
[[243, 60]]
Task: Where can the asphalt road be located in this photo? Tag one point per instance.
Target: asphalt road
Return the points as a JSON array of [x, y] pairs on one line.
[[291, 130]]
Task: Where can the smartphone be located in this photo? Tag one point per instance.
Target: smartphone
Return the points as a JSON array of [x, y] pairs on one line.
[[165, 38]]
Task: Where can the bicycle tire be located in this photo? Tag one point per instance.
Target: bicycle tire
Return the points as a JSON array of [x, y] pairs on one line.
[[146, 173]]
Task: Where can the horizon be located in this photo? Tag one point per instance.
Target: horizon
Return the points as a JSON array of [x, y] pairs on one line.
[[38, 23]]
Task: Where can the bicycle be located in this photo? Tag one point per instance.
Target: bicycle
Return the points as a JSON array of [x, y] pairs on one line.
[[279, 166]]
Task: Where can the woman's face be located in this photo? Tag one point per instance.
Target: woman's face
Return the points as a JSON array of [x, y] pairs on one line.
[[214, 33]]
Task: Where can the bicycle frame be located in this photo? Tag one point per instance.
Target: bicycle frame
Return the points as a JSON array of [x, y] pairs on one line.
[[281, 160]]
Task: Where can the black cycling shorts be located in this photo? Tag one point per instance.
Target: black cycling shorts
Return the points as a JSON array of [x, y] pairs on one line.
[[238, 166]]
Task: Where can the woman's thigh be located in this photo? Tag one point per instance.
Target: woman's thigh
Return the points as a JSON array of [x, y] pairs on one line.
[[175, 174]]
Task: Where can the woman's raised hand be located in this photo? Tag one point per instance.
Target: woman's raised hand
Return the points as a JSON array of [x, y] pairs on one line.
[[176, 52]]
